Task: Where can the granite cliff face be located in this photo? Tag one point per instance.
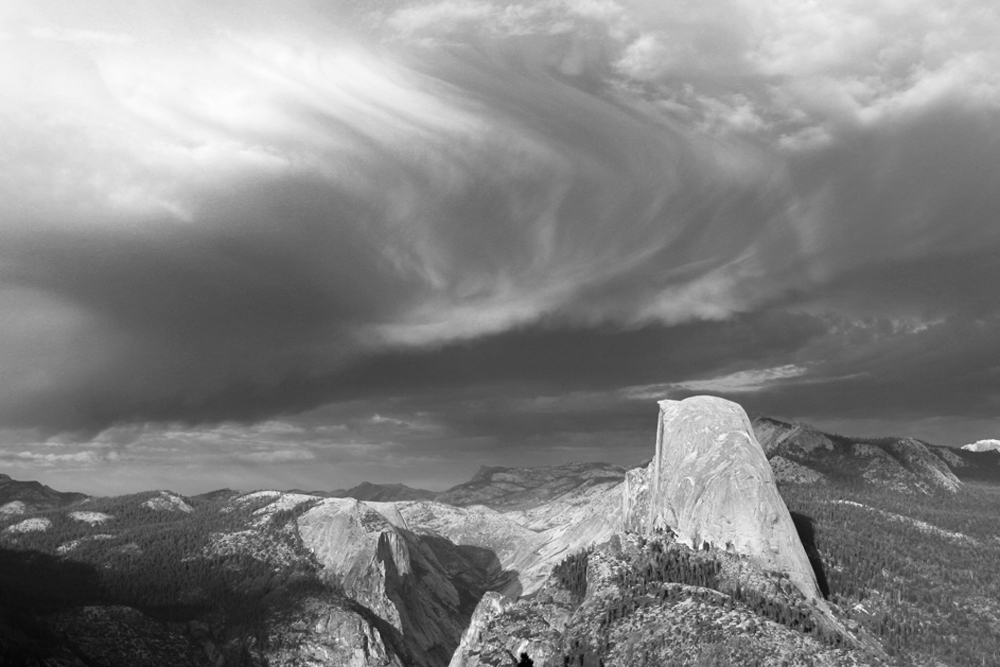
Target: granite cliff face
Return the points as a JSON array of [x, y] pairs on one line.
[[417, 594], [708, 499], [710, 483]]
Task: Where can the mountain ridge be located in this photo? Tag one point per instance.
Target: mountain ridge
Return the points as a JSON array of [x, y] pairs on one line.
[[572, 560]]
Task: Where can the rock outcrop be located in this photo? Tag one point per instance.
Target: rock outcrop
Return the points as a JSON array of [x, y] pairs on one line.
[[777, 437], [710, 482], [417, 591], [360, 550], [918, 459], [635, 501], [792, 472], [321, 632], [502, 629]]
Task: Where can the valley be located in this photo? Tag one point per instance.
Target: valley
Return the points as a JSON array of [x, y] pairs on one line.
[[885, 555]]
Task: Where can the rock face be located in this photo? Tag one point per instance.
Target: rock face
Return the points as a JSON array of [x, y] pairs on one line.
[[918, 459], [528, 518], [777, 437], [949, 457], [360, 551], [470, 648], [792, 472], [395, 576], [710, 482], [320, 632], [635, 501]]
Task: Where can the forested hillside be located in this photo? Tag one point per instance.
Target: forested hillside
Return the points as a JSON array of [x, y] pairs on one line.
[[921, 573], [211, 577]]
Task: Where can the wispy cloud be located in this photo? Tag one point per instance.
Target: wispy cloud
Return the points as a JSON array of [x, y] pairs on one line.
[[86, 458], [80, 36], [278, 456], [734, 383], [224, 214]]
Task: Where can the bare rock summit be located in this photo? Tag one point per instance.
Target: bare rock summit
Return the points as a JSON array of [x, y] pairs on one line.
[[710, 482]]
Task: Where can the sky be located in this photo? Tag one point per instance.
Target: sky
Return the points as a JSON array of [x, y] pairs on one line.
[[303, 244]]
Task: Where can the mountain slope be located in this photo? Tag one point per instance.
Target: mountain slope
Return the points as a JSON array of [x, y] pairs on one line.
[[802, 454], [17, 497], [709, 556], [508, 489], [383, 492]]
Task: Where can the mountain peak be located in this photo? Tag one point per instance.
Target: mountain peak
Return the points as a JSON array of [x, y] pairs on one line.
[[710, 482], [383, 492]]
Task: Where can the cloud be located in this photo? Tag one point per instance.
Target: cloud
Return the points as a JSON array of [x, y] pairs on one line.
[[733, 383], [86, 458], [279, 456], [81, 36], [236, 214]]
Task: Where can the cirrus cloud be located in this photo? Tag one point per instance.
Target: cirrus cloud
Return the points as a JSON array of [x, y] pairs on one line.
[[227, 213]]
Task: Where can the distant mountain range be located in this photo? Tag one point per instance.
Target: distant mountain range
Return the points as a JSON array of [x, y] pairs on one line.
[[17, 497], [800, 453], [375, 492], [582, 563]]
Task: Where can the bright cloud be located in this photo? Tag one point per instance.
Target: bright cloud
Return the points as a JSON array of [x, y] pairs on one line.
[[279, 455], [733, 383]]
